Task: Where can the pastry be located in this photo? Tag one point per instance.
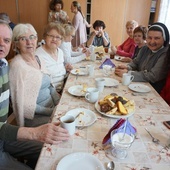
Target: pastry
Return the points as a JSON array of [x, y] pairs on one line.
[[121, 108], [111, 101], [105, 107], [112, 112], [84, 88]]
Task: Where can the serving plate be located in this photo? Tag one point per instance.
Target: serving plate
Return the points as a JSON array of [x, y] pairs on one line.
[[141, 88], [77, 90], [117, 115], [80, 161], [85, 118], [80, 72]]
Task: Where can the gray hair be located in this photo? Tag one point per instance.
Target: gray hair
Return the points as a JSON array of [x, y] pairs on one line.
[[21, 29], [132, 22], [68, 29]]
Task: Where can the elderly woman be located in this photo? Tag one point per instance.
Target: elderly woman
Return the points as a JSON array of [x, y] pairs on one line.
[[71, 56], [128, 47], [151, 64], [33, 97], [53, 55], [57, 14], [139, 35], [99, 37]]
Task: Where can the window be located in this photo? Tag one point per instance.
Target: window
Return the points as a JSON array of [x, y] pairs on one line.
[[164, 13]]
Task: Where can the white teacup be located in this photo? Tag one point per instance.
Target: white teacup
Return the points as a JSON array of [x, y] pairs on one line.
[[90, 69], [92, 95], [100, 82], [127, 79], [68, 123]]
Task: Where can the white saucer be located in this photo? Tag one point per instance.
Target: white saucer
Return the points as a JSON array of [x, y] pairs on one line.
[[109, 82], [141, 88], [80, 161], [76, 90], [80, 72], [87, 117]]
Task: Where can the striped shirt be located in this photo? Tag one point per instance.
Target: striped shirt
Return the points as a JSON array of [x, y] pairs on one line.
[[4, 91]]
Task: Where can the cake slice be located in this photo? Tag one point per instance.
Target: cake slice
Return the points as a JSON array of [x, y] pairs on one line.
[[121, 108]]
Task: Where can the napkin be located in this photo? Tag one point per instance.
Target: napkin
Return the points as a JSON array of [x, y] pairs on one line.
[[119, 127], [107, 61]]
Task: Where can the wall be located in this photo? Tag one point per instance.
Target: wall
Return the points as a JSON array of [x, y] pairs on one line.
[[27, 11], [115, 13]]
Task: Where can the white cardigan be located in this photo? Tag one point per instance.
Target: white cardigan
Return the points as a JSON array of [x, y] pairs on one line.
[[69, 55], [25, 83], [55, 68]]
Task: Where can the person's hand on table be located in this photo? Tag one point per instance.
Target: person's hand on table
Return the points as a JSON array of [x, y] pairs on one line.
[[87, 53], [126, 59], [50, 133], [120, 69], [68, 67]]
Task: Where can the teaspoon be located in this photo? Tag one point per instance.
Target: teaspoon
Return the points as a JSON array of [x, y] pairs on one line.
[[111, 165], [155, 140]]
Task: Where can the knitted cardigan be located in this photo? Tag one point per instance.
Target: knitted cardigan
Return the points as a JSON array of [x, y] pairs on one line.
[[25, 83]]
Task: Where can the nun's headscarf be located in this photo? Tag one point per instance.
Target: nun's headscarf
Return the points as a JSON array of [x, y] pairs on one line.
[[161, 27]]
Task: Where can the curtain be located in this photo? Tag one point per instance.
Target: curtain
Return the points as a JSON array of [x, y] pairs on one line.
[[164, 13]]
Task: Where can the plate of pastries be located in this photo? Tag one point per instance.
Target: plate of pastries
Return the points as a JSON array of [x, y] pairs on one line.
[[115, 106]]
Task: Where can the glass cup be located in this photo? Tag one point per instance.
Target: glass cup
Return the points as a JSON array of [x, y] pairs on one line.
[[107, 70], [121, 143]]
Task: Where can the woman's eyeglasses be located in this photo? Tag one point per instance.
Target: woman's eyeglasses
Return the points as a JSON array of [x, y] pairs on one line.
[[30, 38], [55, 37]]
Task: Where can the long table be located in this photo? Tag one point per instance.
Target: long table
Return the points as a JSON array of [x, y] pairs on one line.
[[150, 111]]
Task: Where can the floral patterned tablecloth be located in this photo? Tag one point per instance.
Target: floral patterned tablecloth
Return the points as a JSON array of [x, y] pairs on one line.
[[150, 111]]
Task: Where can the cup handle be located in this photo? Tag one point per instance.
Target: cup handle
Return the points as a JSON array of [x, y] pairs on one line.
[[132, 77], [87, 95]]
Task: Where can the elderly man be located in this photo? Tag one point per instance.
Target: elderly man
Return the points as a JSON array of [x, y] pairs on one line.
[[20, 142], [150, 65]]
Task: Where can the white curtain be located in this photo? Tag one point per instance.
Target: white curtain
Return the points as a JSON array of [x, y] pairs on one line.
[[164, 13]]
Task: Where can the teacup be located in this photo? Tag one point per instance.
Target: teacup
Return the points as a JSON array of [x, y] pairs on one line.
[[68, 123], [127, 79], [92, 95], [90, 70], [100, 82]]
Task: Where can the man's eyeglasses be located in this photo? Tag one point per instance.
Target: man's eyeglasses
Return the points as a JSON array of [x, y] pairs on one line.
[[55, 37], [30, 38]]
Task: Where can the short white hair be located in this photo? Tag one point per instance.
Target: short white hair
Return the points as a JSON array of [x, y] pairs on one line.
[[2, 22], [21, 29]]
